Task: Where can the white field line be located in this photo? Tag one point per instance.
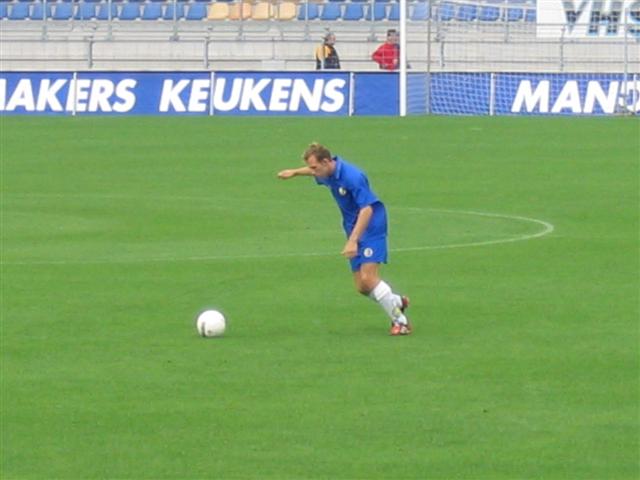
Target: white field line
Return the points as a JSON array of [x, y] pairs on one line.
[[546, 229]]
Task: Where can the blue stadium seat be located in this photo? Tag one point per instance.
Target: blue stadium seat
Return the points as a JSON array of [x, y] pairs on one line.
[[63, 11], [489, 14], [353, 11], [152, 11], [514, 14], [130, 11], [467, 13], [103, 11], [420, 11], [447, 12], [379, 12], [4, 10], [170, 10], [394, 13], [309, 11], [38, 11], [330, 12], [19, 11], [196, 11], [530, 15], [85, 11]]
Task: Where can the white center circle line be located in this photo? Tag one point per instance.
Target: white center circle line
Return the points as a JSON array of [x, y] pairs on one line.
[[547, 228]]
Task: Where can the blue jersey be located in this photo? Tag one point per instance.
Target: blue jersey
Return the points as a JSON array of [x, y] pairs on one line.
[[350, 188]]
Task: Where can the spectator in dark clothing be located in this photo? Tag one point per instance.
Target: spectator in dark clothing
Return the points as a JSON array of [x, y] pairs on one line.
[[327, 55]]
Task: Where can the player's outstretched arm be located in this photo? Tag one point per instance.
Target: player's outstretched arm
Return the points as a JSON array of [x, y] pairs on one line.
[[294, 172]]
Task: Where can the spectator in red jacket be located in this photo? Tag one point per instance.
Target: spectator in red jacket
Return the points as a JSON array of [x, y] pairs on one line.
[[387, 55]]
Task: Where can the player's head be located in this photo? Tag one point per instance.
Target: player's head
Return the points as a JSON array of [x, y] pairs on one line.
[[393, 36], [318, 158]]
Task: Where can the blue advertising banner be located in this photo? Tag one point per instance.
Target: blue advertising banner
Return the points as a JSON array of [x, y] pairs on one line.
[[228, 93], [286, 93], [317, 94], [376, 94], [565, 94], [41, 93]]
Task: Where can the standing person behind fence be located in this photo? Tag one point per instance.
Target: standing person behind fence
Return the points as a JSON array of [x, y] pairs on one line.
[[327, 55], [387, 55]]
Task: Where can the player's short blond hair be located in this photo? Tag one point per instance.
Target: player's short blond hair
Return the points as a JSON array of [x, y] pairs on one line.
[[316, 150]]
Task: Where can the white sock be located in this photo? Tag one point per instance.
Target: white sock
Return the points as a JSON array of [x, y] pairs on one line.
[[389, 301]]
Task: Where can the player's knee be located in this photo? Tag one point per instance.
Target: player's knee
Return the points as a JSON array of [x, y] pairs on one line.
[[367, 283], [362, 288]]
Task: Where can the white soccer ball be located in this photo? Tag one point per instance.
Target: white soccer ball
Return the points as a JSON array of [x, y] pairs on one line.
[[211, 323]]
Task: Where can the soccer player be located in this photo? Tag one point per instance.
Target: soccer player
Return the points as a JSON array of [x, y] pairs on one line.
[[364, 219]]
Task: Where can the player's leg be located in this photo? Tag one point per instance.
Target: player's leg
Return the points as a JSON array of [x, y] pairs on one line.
[[368, 282]]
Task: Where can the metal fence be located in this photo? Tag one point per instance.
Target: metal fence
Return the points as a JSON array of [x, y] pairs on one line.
[[433, 45]]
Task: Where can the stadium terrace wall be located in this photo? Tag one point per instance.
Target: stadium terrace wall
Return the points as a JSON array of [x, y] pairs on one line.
[[318, 93]]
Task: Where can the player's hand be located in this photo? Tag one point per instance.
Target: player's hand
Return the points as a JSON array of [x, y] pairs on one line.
[[350, 249], [285, 174]]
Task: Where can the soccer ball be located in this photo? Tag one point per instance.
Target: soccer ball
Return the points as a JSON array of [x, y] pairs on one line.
[[211, 323]]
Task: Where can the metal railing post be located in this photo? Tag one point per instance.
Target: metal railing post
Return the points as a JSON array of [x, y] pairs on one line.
[[206, 53], [90, 54]]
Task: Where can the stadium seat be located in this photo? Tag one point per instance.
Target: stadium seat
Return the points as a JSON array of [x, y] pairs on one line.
[[308, 11], [196, 11], [159, 1], [330, 12], [514, 14], [173, 11], [152, 11], [530, 15], [4, 10], [489, 14], [218, 11], [38, 11], [353, 12], [446, 12], [239, 11], [85, 11], [130, 11], [467, 13], [379, 12], [106, 13], [394, 13], [19, 11], [63, 11], [263, 11], [420, 11], [286, 11]]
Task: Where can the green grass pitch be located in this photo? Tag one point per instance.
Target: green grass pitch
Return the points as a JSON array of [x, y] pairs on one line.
[[516, 239]]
